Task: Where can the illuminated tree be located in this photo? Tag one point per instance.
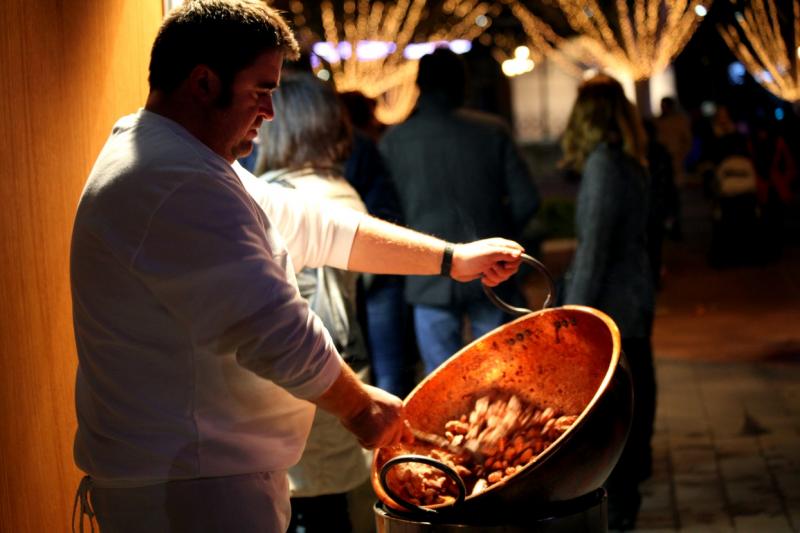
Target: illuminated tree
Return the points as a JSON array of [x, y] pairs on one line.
[[768, 51], [638, 40], [389, 76]]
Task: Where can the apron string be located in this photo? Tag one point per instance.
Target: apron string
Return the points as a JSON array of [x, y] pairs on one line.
[[82, 496]]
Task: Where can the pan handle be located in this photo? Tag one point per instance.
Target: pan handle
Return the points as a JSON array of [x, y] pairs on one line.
[[519, 311], [430, 461]]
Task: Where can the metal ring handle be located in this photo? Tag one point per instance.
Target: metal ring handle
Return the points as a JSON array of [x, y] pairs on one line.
[[430, 461], [519, 311]]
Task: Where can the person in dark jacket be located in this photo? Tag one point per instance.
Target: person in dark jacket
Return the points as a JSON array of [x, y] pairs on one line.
[[664, 212], [604, 143], [385, 314], [459, 176]]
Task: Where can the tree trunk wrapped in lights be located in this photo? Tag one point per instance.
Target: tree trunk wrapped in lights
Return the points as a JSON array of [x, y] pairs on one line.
[[760, 44], [390, 79], [639, 40]]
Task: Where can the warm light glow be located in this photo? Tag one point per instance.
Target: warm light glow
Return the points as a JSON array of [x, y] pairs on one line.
[[640, 40], [543, 39], [520, 64], [387, 42], [766, 49], [700, 10]]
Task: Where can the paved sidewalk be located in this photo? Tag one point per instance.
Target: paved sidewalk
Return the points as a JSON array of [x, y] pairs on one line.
[[726, 448], [727, 346]]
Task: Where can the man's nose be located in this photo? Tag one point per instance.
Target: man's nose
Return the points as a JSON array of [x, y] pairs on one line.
[[265, 108]]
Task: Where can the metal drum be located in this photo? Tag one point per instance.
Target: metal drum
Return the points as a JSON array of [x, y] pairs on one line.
[[587, 514]]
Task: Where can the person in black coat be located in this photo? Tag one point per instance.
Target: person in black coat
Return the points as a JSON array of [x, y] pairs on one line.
[[460, 176], [385, 314], [604, 142]]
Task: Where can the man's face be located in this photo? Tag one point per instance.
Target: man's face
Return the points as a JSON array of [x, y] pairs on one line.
[[234, 126]]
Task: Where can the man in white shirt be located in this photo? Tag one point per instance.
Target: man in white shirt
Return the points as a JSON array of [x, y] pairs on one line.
[[199, 362]]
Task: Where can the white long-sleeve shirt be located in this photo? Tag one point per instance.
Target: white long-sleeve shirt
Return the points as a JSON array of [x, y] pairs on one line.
[[195, 348]]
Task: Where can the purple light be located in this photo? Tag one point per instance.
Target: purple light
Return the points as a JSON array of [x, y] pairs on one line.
[[461, 46], [373, 50], [331, 53], [345, 50], [417, 50], [326, 51]]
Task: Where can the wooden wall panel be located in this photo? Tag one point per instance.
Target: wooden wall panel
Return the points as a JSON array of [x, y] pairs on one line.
[[68, 70]]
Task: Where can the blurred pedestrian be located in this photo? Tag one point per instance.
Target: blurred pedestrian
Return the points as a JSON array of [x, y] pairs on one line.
[[610, 271], [460, 176], [675, 134], [733, 186], [386, 315], [361, 109], [333, 462], [663, 199], [776, 171]]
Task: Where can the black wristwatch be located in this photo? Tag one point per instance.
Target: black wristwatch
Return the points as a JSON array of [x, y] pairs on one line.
[[447, 260]]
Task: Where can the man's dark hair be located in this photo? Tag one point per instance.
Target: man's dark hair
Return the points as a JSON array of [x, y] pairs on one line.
[[443, 73], [226, 36], [310, 126]]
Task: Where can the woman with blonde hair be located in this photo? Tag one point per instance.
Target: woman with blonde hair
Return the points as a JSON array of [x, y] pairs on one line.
[[604, 143]]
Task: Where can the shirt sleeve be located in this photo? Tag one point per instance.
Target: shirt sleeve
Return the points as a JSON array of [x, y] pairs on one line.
[[317, 232], [595, 217], [209, 260]]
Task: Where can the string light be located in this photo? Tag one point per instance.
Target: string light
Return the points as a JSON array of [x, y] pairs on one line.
[[640, 40], [544, 41], [390, 78], [519, 64], [760, 45]]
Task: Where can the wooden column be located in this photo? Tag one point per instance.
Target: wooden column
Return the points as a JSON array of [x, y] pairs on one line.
[[67, 71]]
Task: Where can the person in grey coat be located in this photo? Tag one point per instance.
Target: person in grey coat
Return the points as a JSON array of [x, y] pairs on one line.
[[604, 142], [459, 176]]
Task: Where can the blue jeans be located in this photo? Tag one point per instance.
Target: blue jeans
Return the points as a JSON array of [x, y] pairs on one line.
[[440, 331], [392, 362]]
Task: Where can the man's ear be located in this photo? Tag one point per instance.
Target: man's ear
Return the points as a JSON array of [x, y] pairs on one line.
[[204, 84]]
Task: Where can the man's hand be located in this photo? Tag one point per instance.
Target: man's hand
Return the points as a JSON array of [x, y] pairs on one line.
[[380, 423], [494, 260], [374, 416]]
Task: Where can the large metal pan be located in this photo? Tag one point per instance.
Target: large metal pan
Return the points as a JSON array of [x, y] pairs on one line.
[[567, 358]]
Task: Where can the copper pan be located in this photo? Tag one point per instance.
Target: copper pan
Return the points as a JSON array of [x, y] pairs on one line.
[[567, 358]]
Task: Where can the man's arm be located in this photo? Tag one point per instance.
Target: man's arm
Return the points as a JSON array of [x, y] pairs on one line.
[[380, 247], [374, 416]]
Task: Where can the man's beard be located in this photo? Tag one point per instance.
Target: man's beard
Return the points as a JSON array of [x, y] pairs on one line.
[[243, 148]]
